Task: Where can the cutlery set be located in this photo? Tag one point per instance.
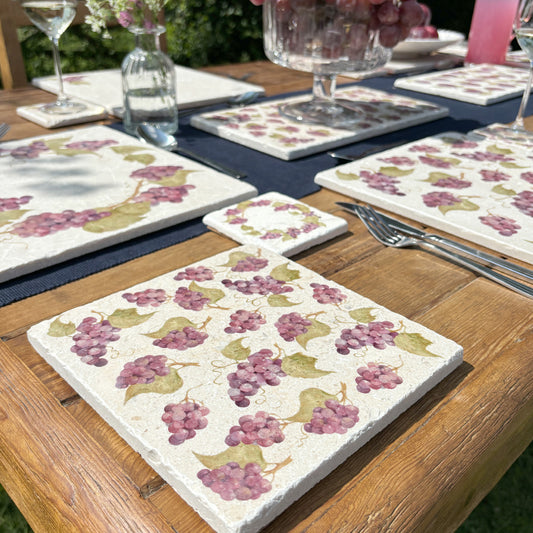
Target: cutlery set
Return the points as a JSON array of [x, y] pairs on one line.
[[397, 234]]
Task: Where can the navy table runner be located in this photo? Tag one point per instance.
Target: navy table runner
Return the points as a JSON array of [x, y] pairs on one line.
[[266, 173]]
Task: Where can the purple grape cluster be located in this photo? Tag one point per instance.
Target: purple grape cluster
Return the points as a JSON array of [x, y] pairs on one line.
[[152, 297], [11, 204], [494, 175], [90, 146], [259, 369], [523, 201], [142, 371], [452, 183], [183, 420], [374, 376], [188, 299], [503, 225], [261, 429], [31, 151], [528, 176], [155, 173], [91, 341], [199, 273], [381, 182], [250, 264], [156, 195], [376, 334], [327, 295], [435, 199], [177, 339], [45, 224], [243, 320], [291, 325], [258, 285], [332, 418], [230, 481]]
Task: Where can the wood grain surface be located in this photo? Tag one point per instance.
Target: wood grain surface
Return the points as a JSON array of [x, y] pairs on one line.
[[68, 471]]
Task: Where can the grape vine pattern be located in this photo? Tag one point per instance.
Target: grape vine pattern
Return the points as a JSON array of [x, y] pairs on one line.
[[230, 481], [188, 299], [156, 195], [259, 369], [155, 173], [261, 429], [375, 376], [90, 343], [148, 297], [183, 420], [142, 371], [523, 201], [291, 325], [250, 264], [333, 417], [195, 274], [376, 334], [503, 225], [11, 204], [181, 340], [258, 285], [327, 295], [242, 321]]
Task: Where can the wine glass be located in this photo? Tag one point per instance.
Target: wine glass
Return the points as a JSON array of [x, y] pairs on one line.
[[523, 31], [331, 37], [53, 17]]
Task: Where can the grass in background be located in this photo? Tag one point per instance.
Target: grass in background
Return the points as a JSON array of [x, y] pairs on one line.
[[507, 508]]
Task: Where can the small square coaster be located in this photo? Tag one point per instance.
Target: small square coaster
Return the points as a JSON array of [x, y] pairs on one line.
[[35, 114], [277, 222], [476, 84]]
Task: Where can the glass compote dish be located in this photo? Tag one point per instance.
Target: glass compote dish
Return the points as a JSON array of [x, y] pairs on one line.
[[523, 31], [331, 37], [53, 17]]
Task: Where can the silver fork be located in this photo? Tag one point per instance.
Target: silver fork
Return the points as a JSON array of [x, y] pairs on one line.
[[388, 236], [4, 128]]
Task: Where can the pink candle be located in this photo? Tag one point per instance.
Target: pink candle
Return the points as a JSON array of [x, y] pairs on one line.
[[490, 31]]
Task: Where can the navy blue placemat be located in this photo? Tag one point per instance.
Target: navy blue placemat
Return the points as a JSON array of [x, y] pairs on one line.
[[266, 173]]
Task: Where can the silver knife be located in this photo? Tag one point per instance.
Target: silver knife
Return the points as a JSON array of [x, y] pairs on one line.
[[488, 259]]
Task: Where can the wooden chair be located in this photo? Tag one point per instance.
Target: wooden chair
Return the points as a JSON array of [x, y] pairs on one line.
[[12, 16]]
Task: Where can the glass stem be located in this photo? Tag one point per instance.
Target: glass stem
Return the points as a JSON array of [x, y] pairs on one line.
[[324, 87], [519, 120], [59, 74]]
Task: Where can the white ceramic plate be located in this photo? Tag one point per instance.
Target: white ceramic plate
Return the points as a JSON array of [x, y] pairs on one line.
[[420, 47]]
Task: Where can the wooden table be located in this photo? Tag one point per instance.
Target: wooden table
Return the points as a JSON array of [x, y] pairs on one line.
[[67, 470]]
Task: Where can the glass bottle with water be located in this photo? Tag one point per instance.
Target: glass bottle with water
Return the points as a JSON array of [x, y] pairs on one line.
[[149, 84]]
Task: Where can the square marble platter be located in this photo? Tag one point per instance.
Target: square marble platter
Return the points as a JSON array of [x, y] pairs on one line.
[[104, 87], [74, 192], [34, 113], [475, 84], [276, 222], [262, 127], [476, 187], [245, 378]]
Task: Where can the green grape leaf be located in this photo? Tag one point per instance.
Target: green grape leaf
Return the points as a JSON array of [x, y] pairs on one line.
[[241, 454], [120, 217], [161, 385], [243, 205], [395, 172], [214, 295], [299, 365], [55, 144], [235, 257], [8, 216], [450, 160], [303, 208], [144, 159], [127, 318], [61, 329], [127, 149], [309, 399], [508, 164], [362, 315], [414, 343], [494, 149], [280, 300], [346, 176], [500, 189], [172, 324], [316, 329], [465, 205], [236, 351], [284, 273], [177, 179], [436, 176]]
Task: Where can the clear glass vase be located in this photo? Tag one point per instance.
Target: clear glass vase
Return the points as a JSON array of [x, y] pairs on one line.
[[149, 84]]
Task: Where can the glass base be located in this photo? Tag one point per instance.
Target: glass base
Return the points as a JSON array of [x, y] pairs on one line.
[[64, 107], [332, 113]]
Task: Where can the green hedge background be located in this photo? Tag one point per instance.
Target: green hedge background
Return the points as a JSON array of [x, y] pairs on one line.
[[199, 33]]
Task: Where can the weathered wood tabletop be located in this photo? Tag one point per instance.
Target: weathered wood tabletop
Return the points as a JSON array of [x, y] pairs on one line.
[[67, 469]]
